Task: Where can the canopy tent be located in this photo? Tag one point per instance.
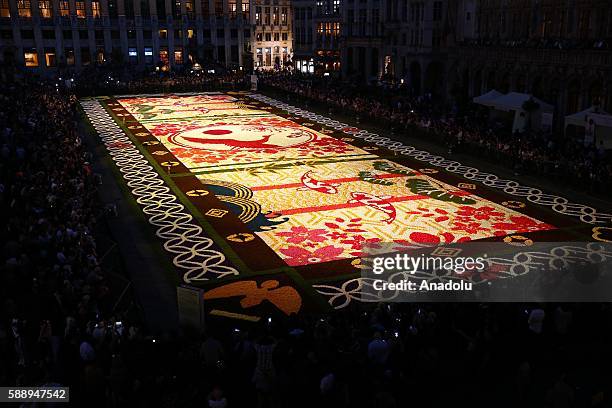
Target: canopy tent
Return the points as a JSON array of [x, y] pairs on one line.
[[488, 98], [515, 100], [540, 117], [597, 126], [600, 117]]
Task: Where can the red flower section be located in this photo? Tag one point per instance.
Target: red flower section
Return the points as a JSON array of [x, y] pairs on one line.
[[297, 235], [479, 213], [521, 223], [301, 256]]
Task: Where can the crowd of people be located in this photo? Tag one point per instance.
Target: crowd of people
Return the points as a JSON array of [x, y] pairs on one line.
[[58, 324], [586, 166], [110, 80]]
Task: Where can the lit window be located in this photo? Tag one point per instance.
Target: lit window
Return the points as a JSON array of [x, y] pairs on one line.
[[163, 56], [95, 9], [5, 10], [80, 9], [45, 8], [148, 54], [190, 33], [232, 8], [133, 55], [178, 57], [31, 58], [24, 10], [69, 57], [64, 8], [163, 34], [50, 58]]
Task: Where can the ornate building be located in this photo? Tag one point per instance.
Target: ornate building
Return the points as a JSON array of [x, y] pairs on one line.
[[557, 50], [273, 37], [45, 34], [397, 40], [317, 35]]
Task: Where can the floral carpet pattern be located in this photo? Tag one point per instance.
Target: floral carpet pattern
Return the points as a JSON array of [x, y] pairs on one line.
[[293, 203]]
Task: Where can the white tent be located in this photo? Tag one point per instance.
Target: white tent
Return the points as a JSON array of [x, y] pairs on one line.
[[597, 125], [488, 98], [599, 116], [515, 100]]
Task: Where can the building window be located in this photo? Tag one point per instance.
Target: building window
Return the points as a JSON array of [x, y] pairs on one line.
[[30, 57], [163, 56], [284, 16], [245, 9], [100, 56], [50, 58], [80, 9], [189, 8], [284, 36], [190, 33], [27, 34], [133, 55], [148, 54], [268, 36], [45, 8], [276, 37], [69, 56], [24, 10], [258, 15], [85, 56], [64, 8], [5, 10], [178, 57], [232, 9], [266, 15], [437, 11], [95, 9], [219, 7], [163, 34]]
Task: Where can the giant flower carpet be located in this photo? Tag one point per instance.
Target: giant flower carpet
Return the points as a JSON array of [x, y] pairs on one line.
[[270, 207]]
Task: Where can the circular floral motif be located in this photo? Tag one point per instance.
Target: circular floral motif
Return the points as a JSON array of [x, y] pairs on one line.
[[197, 193], [241, 237], [518, 240], [170, 163], [514, 204]]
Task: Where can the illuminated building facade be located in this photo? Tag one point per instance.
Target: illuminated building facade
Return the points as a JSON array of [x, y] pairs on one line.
[[46, 34], [272, 43], [317, 35]]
